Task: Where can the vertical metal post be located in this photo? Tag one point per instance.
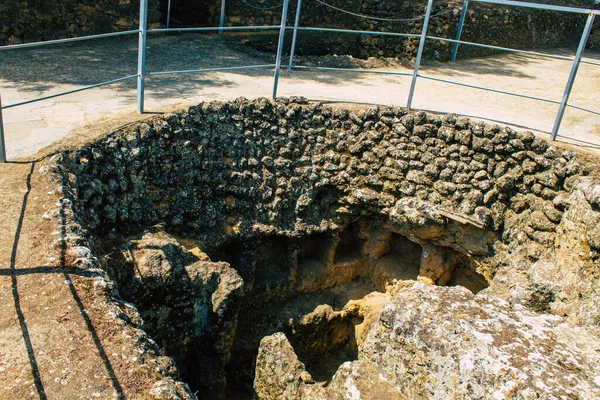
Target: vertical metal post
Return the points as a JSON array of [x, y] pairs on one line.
[[419, 54], [2, 143], [461, 22], [142, 55], [286, 4], [295, 35], [222, 18], [168, 14], [563, 104]]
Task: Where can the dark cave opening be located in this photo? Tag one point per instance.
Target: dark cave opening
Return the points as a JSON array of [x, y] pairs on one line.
[[187, 13]]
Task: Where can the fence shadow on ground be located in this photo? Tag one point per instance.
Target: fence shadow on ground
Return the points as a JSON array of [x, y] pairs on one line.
[[102, 60], [66, 271]]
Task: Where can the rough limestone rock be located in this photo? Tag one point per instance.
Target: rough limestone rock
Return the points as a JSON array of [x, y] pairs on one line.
[[444, 342], [323, 339], [167, 389], [217, 295], [159, 264], [423, 222], [436, 342], [189, 305], [565, 280], [279, 372]]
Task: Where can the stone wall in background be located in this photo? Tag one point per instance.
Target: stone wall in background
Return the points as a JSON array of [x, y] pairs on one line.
[[494, 25], [33, 20], [23, 21], [191, 12]]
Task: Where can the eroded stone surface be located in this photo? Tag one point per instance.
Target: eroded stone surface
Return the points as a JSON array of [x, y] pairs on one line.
[[440, 342], [190, 306], [565, 280], [280, 374]]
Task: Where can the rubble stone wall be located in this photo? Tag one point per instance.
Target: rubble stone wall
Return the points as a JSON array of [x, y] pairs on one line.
[[493, 25], [34, 20], [236, 166], [23, 21]]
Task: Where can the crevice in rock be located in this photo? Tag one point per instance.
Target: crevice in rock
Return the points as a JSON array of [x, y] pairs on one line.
[[402, 261], [464, 275], [324, 340], [349, 247]]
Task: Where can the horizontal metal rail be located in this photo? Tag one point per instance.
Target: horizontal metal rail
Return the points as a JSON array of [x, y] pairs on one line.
[[365, 71], [356, 32], [215, 28], [488, 89], [500, 48], [546, 7], [590, 62], [509, 49], [192, 71], [583, 109], [81, 89], [68, 40]]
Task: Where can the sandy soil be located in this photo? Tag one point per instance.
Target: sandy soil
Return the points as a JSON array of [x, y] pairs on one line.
[[58, 337], [79, 116]]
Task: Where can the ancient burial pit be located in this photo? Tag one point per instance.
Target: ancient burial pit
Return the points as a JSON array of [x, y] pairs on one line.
[[291, 250]]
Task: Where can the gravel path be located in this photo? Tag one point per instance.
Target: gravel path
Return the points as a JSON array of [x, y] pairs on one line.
[[30, 73]]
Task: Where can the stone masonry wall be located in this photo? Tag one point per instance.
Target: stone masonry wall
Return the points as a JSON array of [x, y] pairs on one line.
[[238, 170], [494, 25], [23, 21], [241, 164]]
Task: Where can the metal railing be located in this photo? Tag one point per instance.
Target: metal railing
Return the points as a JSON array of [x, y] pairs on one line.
[[143, 32], [576, 60], [591, 13], [53, 42]]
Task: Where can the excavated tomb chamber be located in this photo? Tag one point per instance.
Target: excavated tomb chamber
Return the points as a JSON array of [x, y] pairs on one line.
[[232, 221]]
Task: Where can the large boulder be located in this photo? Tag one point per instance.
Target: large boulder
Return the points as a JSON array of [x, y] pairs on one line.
[[442, 342], [445, 342], [189, 304]]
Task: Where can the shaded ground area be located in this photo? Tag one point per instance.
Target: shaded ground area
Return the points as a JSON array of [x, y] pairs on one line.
[[66, 67], [58, 338]]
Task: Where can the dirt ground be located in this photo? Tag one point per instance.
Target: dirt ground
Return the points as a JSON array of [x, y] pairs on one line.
[[31, 127], [59, 339]]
